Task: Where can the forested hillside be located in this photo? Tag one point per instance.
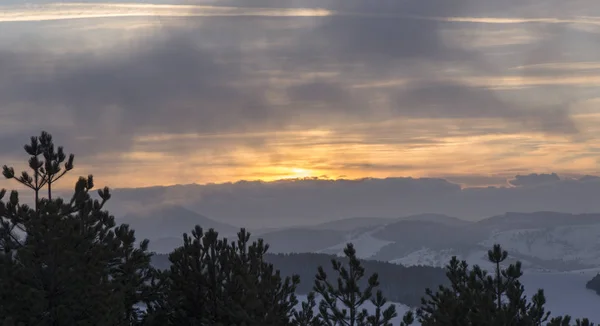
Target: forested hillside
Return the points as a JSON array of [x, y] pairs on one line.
[[398, 283]]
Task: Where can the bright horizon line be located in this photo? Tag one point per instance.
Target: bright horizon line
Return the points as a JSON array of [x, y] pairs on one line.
[[324, 178]]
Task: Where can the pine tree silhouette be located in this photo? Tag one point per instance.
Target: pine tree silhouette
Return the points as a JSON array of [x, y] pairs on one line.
[[212, 281], [475, 298], [343, 303], [70, 264]]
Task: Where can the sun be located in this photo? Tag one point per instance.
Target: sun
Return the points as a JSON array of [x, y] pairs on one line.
[[293, 173], [300, 173]]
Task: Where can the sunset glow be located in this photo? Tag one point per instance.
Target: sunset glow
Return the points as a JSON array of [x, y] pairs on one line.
[[171, 93]]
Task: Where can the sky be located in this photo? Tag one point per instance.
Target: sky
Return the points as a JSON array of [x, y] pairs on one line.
[[179, 92]]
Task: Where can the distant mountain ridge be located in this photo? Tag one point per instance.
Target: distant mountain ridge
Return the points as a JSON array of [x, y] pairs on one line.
[[352, 223], [292, 203], [547, 241], [543, 241], [165, 225], [527, 220]]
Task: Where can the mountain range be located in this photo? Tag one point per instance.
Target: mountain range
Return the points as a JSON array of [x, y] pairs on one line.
[[165, 225], [307, 202], [542, 241]]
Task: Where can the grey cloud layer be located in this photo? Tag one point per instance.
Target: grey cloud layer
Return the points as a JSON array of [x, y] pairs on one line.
[[209, 77], [286, 203]]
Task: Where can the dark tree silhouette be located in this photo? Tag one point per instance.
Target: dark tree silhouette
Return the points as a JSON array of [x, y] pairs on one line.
[[215, 282], [306, 316], [342, 303], [476, 298], [65, 262], [46, 169], [400, 284]]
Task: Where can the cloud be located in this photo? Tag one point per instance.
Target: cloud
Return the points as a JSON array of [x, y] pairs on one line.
[[180, 84], [239, 85], [477, 180], [534, 179], [168, 86], [63, 11], [453, 100]]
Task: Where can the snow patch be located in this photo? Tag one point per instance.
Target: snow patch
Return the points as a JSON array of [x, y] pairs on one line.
[[366, 244], [426, 257], [565, 294]]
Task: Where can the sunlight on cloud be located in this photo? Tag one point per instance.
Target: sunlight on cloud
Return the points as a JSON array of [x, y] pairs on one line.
[[516, 81], [504, 20], [351, 151], [153, 138], [499, 82], [562, 66], [143, 156], [483, 38], [60, 11]]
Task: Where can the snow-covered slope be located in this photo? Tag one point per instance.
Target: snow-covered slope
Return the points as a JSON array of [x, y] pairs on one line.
[[365, 243], [565, 293], [579, 243], [427, 257], [542, 241]]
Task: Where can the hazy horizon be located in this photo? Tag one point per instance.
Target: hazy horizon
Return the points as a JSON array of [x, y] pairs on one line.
[[312, 201]]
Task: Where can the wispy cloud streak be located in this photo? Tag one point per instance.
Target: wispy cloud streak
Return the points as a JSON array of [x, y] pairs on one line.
[[61, 11]]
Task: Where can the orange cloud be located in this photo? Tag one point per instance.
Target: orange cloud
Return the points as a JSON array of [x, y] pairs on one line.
[[350, 152]]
